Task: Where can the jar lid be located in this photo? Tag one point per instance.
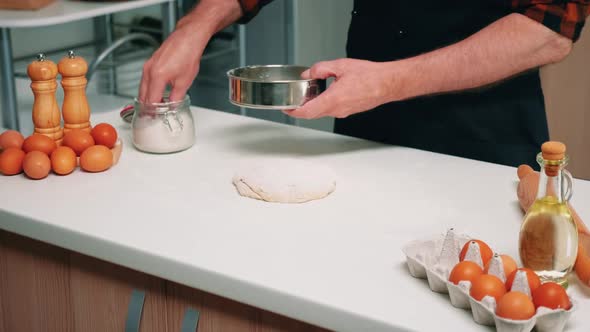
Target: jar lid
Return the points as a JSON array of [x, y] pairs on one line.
[[127, 113], [162, 107]]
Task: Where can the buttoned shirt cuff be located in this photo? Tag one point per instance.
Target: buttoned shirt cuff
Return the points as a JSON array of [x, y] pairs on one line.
[[567, 18], [250, 9]]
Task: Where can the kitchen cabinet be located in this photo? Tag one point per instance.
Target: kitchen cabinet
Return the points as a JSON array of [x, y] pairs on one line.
[[220, 314], [61, 12], [47, 288], [101, 291], [34, 292], [217, 314]]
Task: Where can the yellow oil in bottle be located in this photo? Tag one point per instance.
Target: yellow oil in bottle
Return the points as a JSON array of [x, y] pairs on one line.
[[549, 240]]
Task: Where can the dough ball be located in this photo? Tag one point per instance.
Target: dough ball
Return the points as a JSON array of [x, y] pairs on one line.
[[284, 180]]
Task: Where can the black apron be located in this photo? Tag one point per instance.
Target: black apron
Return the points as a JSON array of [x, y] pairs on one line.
[[504, 123]]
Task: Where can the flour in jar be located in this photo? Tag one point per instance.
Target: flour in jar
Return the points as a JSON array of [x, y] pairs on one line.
[[161, 133]]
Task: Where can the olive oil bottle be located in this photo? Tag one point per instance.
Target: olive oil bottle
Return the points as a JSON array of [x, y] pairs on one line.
[[549, 236]]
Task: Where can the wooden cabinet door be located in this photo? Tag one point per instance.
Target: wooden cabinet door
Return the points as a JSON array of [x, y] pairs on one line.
[[219, 314], [215, 313], [102, 291], [45, 288], [34, 290]]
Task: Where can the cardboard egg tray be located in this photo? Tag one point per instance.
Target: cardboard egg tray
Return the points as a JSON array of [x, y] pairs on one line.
[[116, 150], [433, 259]]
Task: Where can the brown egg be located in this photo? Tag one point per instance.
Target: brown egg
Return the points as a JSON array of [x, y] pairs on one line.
[[78, 140], [96, 158], [63, 160], [11, 139], [104, 134], [11, 161], [36, 165], [38, 142]]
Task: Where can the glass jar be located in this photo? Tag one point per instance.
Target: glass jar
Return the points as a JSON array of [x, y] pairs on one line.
[[164, 127], [549, 235]]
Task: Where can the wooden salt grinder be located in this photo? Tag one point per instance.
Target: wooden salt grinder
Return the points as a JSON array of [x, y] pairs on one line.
[[75, 108], [46, 117]]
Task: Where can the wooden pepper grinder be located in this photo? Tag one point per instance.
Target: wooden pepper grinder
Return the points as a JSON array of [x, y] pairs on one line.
[[46, 117], [75, 108]]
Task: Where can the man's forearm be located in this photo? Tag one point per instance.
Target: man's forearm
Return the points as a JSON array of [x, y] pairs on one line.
[[505, 48], [211, 16]]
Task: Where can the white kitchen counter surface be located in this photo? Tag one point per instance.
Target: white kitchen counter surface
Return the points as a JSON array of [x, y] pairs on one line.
[[336, 263], [64, 11]]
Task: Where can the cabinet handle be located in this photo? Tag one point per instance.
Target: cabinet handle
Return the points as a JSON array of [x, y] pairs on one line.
[[134, 311], [190, 322]]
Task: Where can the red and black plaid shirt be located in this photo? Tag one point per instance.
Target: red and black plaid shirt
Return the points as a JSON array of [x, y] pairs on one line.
[[562, 16]]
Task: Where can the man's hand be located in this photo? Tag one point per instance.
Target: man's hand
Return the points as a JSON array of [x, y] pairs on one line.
[[177, 61], [507, 47], [359, 86]]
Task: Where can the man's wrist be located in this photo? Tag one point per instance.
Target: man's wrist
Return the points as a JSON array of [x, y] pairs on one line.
[[195, 23], [402, 80], [211, 16]]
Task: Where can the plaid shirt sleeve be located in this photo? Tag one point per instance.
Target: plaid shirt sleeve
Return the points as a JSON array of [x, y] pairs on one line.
[[566, 17], [562, 16], [250, 8]]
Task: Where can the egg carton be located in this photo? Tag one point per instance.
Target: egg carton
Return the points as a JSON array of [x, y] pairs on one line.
[[434, 258]]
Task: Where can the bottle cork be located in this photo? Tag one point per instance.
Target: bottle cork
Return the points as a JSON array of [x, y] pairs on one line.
[[553, 151], [75, 109], [46, 116]]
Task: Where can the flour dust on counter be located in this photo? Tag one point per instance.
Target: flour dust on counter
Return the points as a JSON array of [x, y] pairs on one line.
[[284, 180]]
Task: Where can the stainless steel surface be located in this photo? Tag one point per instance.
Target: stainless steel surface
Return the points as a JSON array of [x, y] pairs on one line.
[[272, 87], [118, 43], [109, 38], [104, 35], [179, 8], [8, 95], [290, 45], [242, 49], [168, 18]]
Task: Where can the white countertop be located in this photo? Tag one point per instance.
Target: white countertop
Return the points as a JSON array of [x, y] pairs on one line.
[[64, 11], [335, 263]]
